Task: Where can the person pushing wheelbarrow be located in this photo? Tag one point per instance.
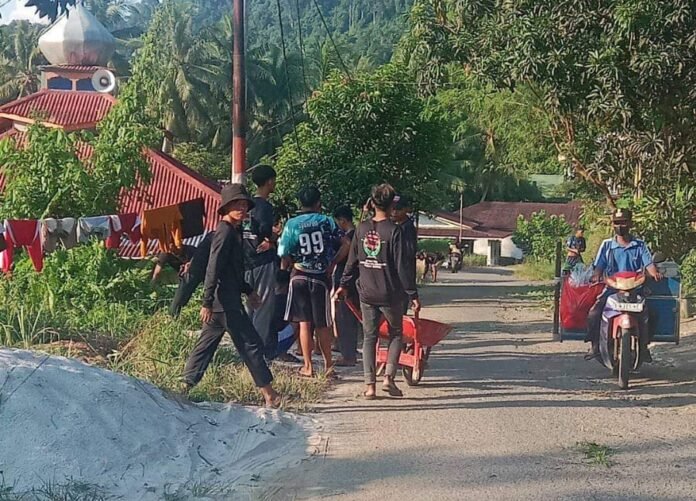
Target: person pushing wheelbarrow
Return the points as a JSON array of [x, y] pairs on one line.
[[379, 263]]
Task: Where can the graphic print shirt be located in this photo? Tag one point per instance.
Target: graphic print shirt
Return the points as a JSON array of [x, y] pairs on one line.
[[311, 240], [380, 264]]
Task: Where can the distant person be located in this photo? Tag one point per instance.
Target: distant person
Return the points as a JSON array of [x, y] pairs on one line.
[[309, 244], [191, 275], [377, 262], [346, 324], [261, 257], [432, 261], [401, 215], [222, 309], [575, 246], [175, 260]]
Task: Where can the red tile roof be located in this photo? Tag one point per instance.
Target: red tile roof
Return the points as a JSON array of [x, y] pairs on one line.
[[70, 110]]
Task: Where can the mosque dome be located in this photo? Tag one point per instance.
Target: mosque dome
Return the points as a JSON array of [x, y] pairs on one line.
[[77, 38]]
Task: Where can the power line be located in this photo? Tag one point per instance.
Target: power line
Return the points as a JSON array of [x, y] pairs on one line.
[[287, 78], [328, 32], [302, 50]]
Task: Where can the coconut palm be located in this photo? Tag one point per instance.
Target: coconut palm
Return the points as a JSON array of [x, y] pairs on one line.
[[20, 59]]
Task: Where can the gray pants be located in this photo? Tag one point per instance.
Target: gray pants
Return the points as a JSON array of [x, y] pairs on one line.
[[348, 329], [263, 280], [372, 317]]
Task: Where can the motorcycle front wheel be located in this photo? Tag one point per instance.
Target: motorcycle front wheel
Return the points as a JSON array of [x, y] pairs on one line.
[[625, 358]]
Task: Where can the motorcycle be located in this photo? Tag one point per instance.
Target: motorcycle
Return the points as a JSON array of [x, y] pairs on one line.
[[455, 262], [619, 343]]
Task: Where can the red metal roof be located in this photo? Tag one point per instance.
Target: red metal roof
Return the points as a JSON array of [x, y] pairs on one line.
[[70, 110]]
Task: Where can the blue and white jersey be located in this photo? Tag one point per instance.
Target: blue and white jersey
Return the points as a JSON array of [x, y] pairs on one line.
[[311, 240]]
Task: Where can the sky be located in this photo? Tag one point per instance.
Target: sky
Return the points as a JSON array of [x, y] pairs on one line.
[[15, 10]]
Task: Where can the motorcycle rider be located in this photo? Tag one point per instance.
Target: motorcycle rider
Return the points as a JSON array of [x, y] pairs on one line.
[[623, 252], [455, 256]]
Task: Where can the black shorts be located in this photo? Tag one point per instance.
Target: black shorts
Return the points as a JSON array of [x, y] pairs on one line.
[[309, 299]]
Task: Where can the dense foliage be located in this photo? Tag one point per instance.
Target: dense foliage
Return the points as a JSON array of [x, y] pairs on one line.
[[539, 235], [361, 132], [615, 79]]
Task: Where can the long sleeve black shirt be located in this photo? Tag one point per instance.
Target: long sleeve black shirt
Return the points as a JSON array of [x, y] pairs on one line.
[[379, 261], [224, 278]]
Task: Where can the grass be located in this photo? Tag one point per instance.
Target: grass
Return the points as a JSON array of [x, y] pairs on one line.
[[535, 270], [596, 454], [542, 295]]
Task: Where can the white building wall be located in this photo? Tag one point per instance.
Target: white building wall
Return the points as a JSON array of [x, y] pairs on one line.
[[508, 249]]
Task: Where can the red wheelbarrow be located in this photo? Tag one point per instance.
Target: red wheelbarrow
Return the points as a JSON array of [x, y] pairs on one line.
[[419, 336]]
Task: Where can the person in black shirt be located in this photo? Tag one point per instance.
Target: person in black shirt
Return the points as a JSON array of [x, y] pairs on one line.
[[222, 309], [400, 215], [346, 325], [176, 260], [261, 260], [191, 275], [377, 260]]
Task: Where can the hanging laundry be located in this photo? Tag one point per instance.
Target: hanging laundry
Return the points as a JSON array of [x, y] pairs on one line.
[[55, 231], [98, 227], [163, 224], [22, 233], [3, 244], [130, 227], [193, 216]]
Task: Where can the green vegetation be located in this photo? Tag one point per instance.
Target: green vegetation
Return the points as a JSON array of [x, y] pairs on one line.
[[535, 270], [688, 274], [596, 454], [89, 304], [361, 132], [539, 236]]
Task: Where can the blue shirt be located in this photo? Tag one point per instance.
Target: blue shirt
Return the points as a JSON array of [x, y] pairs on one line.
[[613, 258], [311, 240]]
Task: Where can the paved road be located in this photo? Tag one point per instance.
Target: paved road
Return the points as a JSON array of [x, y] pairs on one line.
[[500, 413]]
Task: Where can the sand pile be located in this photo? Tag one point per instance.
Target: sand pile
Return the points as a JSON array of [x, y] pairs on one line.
[[60, 418]]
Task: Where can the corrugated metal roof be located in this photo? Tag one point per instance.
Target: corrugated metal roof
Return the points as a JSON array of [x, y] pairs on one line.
[[68, 109]]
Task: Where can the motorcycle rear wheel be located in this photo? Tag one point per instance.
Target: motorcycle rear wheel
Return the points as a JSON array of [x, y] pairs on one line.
[[625, 358]]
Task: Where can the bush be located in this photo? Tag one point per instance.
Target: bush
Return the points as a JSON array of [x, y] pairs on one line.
[[538, 236], [688, 274], [536, 270], [474, 260], [435, 245]]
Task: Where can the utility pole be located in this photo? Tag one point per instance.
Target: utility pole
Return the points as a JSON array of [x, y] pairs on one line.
[[461, 216], [239, 123]]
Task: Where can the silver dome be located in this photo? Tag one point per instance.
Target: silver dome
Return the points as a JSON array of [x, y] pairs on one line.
[[77, 38]]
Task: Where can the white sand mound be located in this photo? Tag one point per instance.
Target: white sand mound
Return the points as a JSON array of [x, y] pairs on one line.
[[60, 418]]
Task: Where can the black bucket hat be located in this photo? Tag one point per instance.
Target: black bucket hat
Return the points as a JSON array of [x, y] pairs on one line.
[[621, 215], [232, 193]]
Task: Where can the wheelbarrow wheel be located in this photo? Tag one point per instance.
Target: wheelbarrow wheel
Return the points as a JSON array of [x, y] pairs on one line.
[[412, 375]]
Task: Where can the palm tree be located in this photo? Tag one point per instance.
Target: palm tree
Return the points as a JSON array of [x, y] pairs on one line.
[[19, 61]]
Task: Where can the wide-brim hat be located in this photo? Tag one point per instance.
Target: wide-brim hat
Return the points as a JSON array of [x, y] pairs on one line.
[[233, 193]]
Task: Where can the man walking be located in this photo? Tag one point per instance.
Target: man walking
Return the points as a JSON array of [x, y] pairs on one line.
[[261, 260], [400, 215], [309, 243], [377, 260], [222, 309], [346, 325]]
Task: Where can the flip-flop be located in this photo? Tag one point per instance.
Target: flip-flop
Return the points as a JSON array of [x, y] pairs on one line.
[[275, 404], [370, 396], [393, 390]]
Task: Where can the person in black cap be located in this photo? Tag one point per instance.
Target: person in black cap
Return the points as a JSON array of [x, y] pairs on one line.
[[623, 252], [222, 309], [409, 235], [261, 260]]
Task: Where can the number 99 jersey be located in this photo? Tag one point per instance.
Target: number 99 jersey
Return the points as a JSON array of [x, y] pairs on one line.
[[311, 240]]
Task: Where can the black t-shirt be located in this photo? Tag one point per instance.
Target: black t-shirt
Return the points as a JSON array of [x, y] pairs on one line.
[[224, 277], [257, 228], [378, 261], [199, 261], [174, 260]]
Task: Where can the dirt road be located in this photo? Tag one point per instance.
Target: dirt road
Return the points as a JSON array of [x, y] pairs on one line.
[[500, 415]]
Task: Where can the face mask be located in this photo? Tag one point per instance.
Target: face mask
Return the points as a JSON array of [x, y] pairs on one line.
[[621, 230]]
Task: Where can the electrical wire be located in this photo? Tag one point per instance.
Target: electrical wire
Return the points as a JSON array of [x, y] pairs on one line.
[[287, 78], [328, 32], [302, 50]]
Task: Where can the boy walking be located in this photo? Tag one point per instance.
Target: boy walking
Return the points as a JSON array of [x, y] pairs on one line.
[[261, 266], [309, 243], [378, 261], [222, 309]]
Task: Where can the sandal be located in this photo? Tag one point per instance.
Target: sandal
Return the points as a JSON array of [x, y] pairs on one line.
[[369, 396], [393, 390], [275, 403]]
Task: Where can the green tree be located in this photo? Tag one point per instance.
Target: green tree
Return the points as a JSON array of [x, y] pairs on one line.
[[364, 131], [20, 59], [539, 235]]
